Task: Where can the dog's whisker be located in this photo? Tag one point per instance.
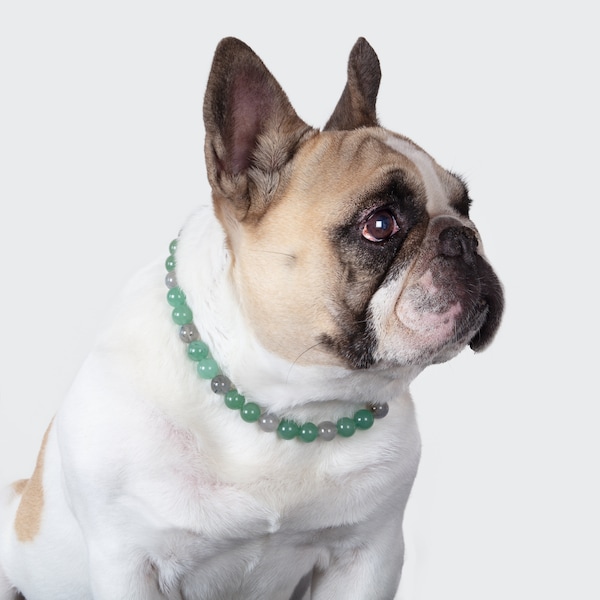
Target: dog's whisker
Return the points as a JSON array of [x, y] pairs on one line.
[[286, 254], [297, 359]]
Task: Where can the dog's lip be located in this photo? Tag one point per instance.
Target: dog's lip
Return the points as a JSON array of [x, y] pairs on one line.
[[492, 296]]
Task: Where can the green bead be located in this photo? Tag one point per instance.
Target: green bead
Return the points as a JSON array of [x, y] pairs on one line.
[[234, 400], [173, 246], [170, 263], [197, 350], [182, 315], [250, 412], [176, 297], [207, 368], [346, 427], [363, 419], [288, 430], [308, 432]]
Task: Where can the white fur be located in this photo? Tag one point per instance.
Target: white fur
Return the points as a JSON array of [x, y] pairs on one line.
[[154, 489], [437, 200]]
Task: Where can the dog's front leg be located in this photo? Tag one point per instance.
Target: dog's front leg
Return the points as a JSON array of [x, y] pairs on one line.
[[368, 570], [122, 575]]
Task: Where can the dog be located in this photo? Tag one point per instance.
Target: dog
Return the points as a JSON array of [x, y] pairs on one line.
[[244, 427]]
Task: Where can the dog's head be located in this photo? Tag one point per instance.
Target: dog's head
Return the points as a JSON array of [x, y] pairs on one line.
[[349, 246]]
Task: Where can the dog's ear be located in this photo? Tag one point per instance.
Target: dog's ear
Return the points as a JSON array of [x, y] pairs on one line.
[[356, 106], [252, 130]]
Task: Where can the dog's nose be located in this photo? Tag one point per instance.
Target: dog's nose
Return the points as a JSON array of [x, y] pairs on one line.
[[458, 241]]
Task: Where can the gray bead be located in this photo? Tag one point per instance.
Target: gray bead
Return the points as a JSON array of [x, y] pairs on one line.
[[188, 333], [327, 430], [220, 384], [268, 422], [171, 280], [379, 410]]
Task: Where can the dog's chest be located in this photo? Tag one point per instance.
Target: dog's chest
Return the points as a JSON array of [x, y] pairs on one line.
[[257, 527]]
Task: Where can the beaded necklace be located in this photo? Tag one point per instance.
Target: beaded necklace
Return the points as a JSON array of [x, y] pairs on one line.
[[207, 369]]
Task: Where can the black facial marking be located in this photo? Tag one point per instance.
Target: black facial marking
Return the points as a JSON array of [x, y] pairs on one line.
[[354, 342], [365, 264], [396, 196]]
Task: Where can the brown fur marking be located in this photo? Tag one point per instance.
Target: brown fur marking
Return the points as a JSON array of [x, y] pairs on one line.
[[19, 486], [29, 513]]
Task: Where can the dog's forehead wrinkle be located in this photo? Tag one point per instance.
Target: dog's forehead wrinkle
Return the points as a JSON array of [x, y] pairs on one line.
[[354, 165]]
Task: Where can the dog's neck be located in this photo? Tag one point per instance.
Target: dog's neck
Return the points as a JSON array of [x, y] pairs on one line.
[[274, 382]]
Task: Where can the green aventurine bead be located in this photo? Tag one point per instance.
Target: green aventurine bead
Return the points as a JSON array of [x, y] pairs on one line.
[[207, 368], [346, 427], [308, 432], [250, 412], [363, 419], [234, 400], [197, 350], [288, 430], [176, 297], [170, 263], [182, 315], [173, 246]]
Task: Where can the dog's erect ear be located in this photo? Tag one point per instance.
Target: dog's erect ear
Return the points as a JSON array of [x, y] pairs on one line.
[[356, 106], [252, 130]]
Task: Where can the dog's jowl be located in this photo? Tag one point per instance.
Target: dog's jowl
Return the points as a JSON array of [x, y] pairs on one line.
[[244, 428]]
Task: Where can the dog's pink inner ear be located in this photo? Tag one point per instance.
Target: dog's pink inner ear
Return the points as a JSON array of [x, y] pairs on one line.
[[251, 106]]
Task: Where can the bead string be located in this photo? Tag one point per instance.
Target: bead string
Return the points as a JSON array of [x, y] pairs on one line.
[[250, 412]]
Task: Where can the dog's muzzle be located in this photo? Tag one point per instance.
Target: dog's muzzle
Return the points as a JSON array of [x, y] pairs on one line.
[[454, 297]]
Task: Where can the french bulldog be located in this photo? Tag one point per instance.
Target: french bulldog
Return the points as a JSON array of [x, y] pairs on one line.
[[244, 427]]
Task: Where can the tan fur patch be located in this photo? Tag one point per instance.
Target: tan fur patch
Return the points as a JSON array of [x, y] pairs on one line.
[[304, 293], [29, 513], [19, 485]]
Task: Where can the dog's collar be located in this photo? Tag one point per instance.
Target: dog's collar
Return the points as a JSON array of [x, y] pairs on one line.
[[251, 412]]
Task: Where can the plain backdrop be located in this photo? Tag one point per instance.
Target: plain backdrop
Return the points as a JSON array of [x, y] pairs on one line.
[[101, 161]]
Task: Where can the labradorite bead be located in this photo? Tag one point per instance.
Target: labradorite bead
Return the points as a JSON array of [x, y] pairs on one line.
[[182, 314], [327, 430], [173, 246], [220, 384], [170, 263], [207, 368], [188, 333], [346, 427], [363, 419], [380, 410], [171, 279], [176, 297], [308, 432], [250, 412], [197, 350], [268, 422], [288, 429], [234, 400]]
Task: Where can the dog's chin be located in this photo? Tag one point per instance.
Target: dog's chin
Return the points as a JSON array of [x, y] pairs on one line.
[[433, 345]]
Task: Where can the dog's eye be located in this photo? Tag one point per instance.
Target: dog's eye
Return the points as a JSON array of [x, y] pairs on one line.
[[380, 226]]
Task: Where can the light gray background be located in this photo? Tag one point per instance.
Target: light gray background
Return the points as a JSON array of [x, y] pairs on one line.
[[101, 160]]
